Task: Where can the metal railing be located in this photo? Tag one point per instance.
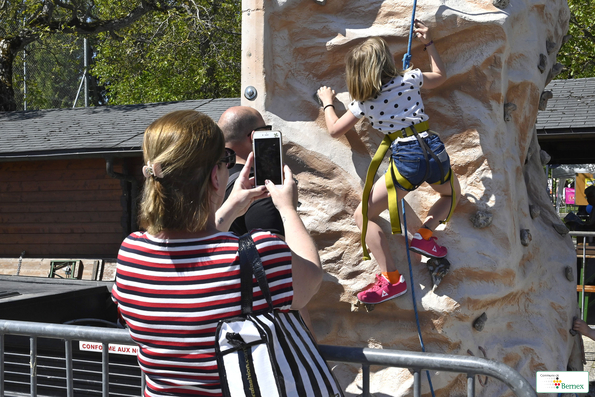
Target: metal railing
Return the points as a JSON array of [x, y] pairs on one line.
[[471, 366], [581, 302], [418, 362], [67, 333]]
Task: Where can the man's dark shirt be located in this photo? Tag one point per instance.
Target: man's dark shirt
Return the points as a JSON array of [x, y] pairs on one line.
[[262, 214]]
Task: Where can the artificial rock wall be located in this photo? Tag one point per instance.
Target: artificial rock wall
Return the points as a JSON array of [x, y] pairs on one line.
[[512, 260]]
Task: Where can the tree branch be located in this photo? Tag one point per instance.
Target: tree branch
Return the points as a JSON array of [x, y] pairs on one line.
[[66, 6], [75, 25]]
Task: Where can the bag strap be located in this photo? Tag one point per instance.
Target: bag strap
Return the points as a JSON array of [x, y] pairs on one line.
[[250, 263], [232, 179]]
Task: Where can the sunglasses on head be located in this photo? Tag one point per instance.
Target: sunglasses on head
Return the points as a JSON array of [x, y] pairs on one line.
[[263, 128], [229, 158]]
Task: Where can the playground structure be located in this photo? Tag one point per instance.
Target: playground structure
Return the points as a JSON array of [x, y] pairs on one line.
[[508, 296]]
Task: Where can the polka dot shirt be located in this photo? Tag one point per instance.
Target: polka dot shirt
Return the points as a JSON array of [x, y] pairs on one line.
[[397, 106]]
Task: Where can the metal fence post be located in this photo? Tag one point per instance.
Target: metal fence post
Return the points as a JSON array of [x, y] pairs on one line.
[[33, 365], [470, 385], [366, 380], [1, 365], [416, 383], [105, 370], [68, 356]]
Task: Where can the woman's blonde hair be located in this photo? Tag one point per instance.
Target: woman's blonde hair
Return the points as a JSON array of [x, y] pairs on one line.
[[186, 145], [368, 66]]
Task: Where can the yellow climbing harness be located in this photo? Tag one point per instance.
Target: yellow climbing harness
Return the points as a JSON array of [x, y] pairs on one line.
[[390, 177]]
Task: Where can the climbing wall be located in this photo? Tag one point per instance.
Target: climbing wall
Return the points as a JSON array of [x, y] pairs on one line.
[[510, 294]]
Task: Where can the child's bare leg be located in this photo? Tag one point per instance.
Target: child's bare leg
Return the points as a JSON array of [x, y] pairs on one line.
[[390, 284], [375, 238], [423, 242], [440, 209]]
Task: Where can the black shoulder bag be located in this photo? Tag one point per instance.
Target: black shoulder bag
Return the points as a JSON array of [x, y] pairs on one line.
[[269, 353]]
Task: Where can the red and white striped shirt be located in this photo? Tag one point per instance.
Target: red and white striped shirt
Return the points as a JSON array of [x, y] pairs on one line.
[[173, 292]]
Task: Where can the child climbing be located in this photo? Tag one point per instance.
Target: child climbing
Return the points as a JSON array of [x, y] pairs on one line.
[[392, 102]]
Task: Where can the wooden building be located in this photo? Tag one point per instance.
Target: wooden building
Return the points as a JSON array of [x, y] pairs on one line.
[[566, 125], [69, 178]]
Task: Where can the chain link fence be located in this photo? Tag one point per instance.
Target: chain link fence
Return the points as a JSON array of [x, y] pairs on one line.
[[47, 75]]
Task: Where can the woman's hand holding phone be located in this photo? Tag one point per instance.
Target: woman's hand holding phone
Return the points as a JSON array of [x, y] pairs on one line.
[[242, 195], [285, 197]]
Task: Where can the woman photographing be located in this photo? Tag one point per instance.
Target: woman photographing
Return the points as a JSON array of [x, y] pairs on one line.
[[177, 279]]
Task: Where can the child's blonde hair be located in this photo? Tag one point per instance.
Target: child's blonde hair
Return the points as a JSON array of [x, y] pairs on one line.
[[186, 145], [368, 66]]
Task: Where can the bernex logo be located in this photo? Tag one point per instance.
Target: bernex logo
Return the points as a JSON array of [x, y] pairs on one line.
[[553, 381]]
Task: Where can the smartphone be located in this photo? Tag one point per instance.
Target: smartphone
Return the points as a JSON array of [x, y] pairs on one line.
[[268, 157]]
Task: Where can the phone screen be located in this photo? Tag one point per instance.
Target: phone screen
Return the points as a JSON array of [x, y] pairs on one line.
[[267, 160]]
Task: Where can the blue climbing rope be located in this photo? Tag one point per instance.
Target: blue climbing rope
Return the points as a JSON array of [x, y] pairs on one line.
[[407, 56], [406, 61], [421, 341]]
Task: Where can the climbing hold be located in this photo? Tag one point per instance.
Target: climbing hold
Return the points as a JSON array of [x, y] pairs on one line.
[[481, 219], [561, 229], [526, 237], [508, 109], [438, 268], [480, 322], [534, 211], [317, 99], [355, 307], [544, 157], [550, 46], [501, 4], [569, 273], [321, 2], [554, 71], [542, 62], [545, 96]]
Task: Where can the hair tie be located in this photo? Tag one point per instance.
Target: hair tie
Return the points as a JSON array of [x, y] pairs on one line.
[[153, 170]]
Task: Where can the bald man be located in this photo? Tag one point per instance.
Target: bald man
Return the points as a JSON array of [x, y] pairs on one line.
[[238, 123]]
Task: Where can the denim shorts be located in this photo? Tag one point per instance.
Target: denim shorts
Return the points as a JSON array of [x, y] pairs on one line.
[[411, 163]]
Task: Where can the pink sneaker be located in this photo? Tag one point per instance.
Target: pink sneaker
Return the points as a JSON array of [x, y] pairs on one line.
[[382, 290], [427, 247]]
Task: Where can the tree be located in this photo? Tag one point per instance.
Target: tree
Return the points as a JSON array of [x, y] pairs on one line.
[[578, 53], [27, 21], [189, 52], [50, 69]]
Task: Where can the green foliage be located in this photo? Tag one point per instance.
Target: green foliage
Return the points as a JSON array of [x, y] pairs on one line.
[[578, 54], [143, 50], [54, 66], [186, 53]]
